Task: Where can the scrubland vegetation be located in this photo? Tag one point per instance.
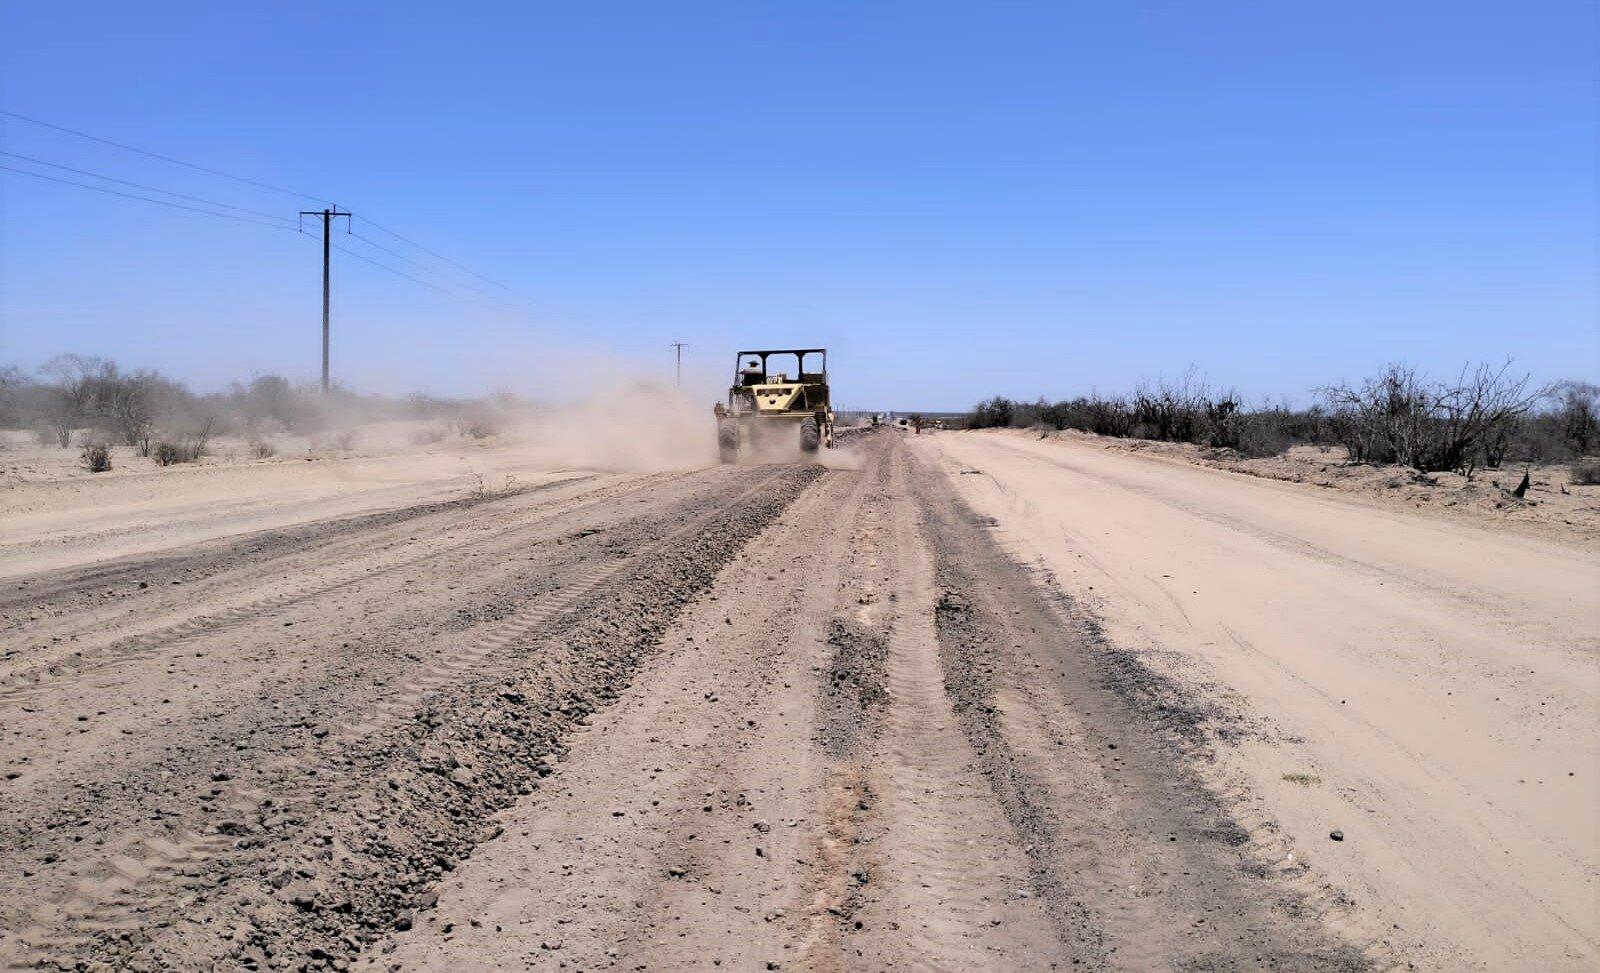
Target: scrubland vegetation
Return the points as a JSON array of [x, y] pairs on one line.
[[1485, 418], [92, 403]]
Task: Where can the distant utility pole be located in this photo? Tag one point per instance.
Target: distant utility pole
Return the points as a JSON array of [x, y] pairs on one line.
[[679, 346], [326, 215]]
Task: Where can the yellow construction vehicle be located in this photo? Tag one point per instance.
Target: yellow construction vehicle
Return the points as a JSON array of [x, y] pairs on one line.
[[772, 411]]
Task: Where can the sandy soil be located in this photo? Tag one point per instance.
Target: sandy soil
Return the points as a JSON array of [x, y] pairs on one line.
[[1426, 688], [58, 515], [1553, 507], [872, 715]]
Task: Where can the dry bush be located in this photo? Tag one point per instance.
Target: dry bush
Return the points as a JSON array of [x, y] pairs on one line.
[[167, 453], [1577, 416], [1180, 412], [1585, 472], [262, 449], [482, 489], [1264, 434], [479, 428], [198, 445], [97, 457], [997, 413], [1399, 417], [188, 450]]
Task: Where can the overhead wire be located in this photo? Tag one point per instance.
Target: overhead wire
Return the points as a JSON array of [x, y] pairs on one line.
[[163, 158], [425, 268], [249, 182], [226, 216], [398, 273], [147, 199], [139, 185], [437, 256]]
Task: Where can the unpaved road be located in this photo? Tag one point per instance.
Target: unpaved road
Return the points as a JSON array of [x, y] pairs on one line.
[[1432, 690], [766, 717]]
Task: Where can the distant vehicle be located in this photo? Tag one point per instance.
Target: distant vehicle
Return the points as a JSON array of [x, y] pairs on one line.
[[769, 409], [903, 423]]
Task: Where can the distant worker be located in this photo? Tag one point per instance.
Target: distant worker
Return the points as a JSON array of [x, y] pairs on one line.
[[752, 374]]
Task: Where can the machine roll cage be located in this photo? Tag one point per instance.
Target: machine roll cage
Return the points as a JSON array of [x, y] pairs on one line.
[[800, 354]]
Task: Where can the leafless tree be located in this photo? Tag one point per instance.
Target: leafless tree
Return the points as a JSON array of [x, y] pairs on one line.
[[74, 388], [1399, 417]]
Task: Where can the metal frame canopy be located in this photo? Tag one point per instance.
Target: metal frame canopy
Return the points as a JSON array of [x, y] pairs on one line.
[[799, 353]]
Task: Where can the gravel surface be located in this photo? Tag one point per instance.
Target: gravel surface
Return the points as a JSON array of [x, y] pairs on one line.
[[281, 784], [749, 717]]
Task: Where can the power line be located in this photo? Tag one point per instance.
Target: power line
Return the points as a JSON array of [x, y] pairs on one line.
[[163, 158], [440, 256], [419, 265], [139, 185], [147, 199], [398, 273], [240, 179]]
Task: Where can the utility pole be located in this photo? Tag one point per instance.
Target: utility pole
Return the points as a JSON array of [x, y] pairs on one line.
[[326, 215], [679, 346]]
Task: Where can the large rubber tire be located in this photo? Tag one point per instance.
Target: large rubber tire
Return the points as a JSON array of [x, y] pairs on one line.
[[728, 440], [810, 435]]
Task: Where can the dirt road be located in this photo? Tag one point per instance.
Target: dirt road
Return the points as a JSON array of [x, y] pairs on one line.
[[764, 717], [1428, 689]]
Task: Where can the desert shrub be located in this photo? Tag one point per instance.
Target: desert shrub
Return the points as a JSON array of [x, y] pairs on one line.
[[1578, 416], [997, 413], [1186, 411], [190, 449], [1177, 412], [1265, 433], [97, 457], [1586, 472], [198, 445], [479, 428], [72, 393], [483, 489], [262, 448], [1102, 416], [1399, 417]]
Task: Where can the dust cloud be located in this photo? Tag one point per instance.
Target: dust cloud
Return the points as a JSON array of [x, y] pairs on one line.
[[638, 427], [644, 428]]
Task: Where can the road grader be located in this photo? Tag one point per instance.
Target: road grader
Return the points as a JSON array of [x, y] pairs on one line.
[[772, 411]]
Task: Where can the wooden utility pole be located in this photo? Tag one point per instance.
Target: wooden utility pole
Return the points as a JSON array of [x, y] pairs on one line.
[[326, 215], [679, 346]]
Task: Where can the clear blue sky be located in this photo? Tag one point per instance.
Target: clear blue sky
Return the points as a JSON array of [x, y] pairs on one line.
[[958, 199]]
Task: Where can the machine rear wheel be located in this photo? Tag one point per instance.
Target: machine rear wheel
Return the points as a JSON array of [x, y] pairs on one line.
[[810, 435]]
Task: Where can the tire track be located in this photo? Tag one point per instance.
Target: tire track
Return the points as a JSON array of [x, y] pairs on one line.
[[1154, 872], [135, 881], [26, 685]]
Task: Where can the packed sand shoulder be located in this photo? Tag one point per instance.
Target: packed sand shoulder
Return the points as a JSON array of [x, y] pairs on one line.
[[1553, 506]]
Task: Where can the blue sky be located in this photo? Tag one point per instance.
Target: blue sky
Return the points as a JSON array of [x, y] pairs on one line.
[[958, 199]]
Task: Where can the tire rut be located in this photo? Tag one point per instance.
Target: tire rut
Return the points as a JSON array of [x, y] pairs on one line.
[[29, 683], [1053, 710], [544, 684]]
